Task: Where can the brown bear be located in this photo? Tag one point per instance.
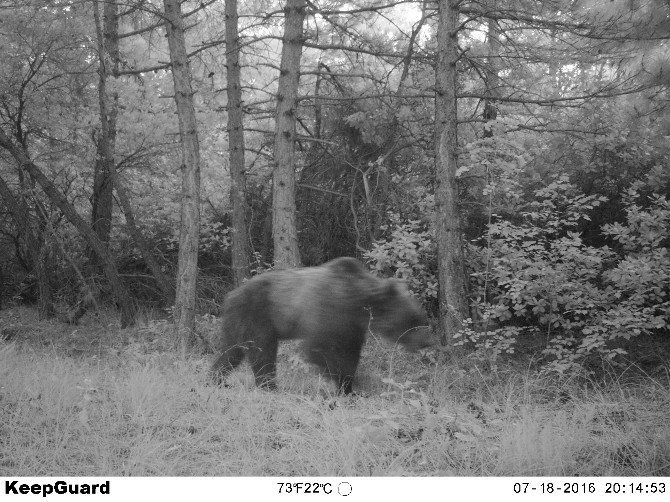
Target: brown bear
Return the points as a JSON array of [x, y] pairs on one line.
[[329, 307]]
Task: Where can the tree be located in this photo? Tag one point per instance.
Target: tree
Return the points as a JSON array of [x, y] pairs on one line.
[[453, 304], [285, 235], [491, 77], [238, 179], [187, 273], [107, 261], [107, 32]]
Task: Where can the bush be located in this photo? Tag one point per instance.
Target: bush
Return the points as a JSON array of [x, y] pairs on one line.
[[641, 278], [541, 279], [408, 252]]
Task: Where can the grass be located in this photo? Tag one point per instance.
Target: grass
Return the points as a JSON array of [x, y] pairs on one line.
[[95, 400]]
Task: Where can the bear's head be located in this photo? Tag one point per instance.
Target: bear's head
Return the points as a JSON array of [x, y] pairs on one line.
[[398, 316]]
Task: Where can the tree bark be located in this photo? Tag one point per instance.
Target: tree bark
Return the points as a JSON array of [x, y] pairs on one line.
[[43, 268], [491, 75], [108, 65], [120, 293], [187, 272], [453, 304], [238, 179], [284, 231]]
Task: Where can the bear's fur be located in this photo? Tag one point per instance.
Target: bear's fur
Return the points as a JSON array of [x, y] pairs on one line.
[[329, 308]]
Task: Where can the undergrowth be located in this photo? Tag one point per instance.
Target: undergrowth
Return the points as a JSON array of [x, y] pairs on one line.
[[97, 400]]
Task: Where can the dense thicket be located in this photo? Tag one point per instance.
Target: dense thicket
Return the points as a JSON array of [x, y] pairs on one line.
[[562, 180]]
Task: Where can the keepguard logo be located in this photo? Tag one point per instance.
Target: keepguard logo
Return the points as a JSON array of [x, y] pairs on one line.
[[57, 488]]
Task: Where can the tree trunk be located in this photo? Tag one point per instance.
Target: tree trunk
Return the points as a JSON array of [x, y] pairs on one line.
[[43, 267], [491, 75], [59, 200], [453, 302], [187, 272], [108, 57], [238, 180], [284, 232]]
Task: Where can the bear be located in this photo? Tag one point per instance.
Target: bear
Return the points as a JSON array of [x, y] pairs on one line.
[[329, 307]]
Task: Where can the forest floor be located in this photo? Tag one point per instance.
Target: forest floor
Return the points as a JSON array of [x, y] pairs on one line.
[[95, 400]]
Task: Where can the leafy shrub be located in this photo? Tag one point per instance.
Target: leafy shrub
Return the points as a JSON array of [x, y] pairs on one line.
[[641, 278], [257, 265], [541, 279], [408, 252], [407, 249], [215, 237]]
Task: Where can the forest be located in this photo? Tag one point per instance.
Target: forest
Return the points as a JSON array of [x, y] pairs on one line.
[[509, 161]]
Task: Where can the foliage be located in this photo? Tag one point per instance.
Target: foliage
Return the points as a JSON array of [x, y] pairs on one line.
[[365, 165], [214, 237], [408, 250], [641, 278], [258, 266], [489, 341], [542, 280]]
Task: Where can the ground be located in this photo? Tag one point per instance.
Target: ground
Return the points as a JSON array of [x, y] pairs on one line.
[[96, 400]]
